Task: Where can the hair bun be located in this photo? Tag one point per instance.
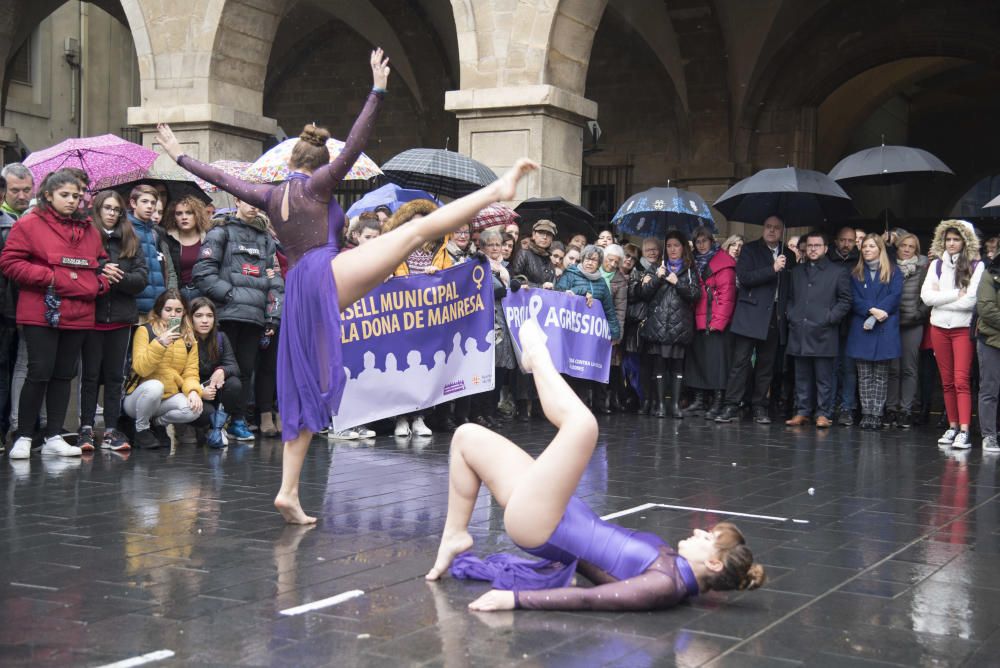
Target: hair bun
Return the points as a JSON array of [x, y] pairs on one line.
[[754, 578], [314, 135]]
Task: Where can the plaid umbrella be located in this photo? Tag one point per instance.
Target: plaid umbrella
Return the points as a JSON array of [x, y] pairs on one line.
[[652, 212], [235, 168], [492, 216], [107, 159], [800, 197], [438, 171], [273, 165], [389, 195]]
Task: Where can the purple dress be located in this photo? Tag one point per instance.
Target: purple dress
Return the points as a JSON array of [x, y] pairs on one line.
[[632, 570], [310, 365]]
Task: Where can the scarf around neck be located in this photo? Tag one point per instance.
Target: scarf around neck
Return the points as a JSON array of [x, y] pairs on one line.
[[536, 249], [608, 276], [702, 259], [596, 276], [908, 267], [674, 266]]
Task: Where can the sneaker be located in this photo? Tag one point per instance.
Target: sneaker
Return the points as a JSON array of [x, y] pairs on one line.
[[85, 439], [948, 437], [115, 440], [728, 414], [343, 435], [364, 431], [961, 441], [238, 429], [21, 449], [402, 428], [990, 444], [760, 415], [146, 440], [55, 445], [420, 429], [903, 420], [846, 419]]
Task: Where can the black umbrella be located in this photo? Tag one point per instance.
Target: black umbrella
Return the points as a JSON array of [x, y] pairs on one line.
[[570, 219], [800, 197], [176, 188], [885, 165], [651, 213], [438, 171]]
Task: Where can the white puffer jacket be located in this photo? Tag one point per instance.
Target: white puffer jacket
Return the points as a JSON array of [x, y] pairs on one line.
[[949, 310]]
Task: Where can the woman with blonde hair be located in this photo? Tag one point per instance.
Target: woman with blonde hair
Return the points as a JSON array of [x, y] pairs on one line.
[[950, 290], [186, 223], [733, 245], [873, 337]]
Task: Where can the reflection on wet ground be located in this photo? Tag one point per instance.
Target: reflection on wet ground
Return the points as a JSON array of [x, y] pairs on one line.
[[114, 557]]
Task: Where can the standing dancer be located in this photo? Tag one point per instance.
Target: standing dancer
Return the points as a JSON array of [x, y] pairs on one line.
[[632, 570], [309, 221]]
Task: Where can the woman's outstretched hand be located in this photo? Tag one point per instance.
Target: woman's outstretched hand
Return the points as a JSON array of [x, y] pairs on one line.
[[168, 141], [493, 600], [506, 185], [380, 69]]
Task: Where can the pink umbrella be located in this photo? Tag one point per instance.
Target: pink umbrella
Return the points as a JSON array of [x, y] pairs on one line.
[[107, 159]]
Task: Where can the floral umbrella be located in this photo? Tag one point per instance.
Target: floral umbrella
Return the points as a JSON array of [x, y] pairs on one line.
[[273, 165], [108, 160], [651, 213], [235, 168]]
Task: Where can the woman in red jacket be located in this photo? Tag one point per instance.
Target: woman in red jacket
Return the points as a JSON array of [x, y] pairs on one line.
[[56, 258], [706, 366]]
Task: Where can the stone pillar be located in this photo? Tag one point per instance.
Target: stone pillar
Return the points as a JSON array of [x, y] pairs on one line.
[[8, 139], [547, 124], [207, 131]]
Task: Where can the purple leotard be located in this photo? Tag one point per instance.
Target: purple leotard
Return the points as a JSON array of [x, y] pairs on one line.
[[310, 364], [632, 570]]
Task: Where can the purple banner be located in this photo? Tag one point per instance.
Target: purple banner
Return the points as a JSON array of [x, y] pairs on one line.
[[579, 337], [417, 341]]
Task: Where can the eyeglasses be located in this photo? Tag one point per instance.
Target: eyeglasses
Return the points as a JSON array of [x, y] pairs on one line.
[[461, 233], [111, 209]]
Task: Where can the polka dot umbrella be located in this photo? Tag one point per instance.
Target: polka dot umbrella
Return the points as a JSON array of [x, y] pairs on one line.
[[108, 160], [272, 167]]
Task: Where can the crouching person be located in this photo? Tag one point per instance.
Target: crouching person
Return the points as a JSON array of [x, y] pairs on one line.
[[164, 387], [218, 372]]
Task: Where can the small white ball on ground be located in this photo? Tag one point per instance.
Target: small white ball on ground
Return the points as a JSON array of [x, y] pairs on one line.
[[812, 490]]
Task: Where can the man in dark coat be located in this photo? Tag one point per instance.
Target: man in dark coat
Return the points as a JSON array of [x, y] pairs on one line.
[[819, 298], [844, 253], [533, 262], [759, 319]]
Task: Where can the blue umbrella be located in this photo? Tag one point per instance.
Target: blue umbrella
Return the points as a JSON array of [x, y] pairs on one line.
[[389, 195], [653, 212]]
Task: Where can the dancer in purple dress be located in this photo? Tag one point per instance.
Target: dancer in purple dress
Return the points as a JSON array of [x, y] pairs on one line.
[[321, 282], [632, 570]]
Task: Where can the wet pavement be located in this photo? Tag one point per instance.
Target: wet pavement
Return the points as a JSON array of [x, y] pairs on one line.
[[893, 559]]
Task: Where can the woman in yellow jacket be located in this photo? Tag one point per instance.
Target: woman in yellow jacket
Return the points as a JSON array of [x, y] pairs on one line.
[[430, 257], [165, 387]]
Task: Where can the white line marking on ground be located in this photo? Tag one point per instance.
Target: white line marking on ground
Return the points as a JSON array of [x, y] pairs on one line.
[[647, 506], [31, 586], [324, 603], [159, 655]]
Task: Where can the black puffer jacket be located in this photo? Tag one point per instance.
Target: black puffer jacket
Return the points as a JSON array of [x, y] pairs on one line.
[[912, 309], [537, 269], [118, 304], [8, 289], [670, 318], [232, 272], [226, 361]]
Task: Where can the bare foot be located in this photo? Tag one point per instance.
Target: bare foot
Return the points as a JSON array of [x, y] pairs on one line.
[[506, 186], [291, 510], [532, 339], [495, 599], [452, 545]]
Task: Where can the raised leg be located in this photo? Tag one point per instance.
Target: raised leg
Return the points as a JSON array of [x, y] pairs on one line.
[[287, 501], [533, 492], [365, 267]]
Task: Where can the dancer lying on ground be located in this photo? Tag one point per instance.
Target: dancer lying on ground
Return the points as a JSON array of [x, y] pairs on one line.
[[631, 570], [309, 221]]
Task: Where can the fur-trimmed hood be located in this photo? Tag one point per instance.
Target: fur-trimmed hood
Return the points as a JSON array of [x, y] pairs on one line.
[[964, 228]]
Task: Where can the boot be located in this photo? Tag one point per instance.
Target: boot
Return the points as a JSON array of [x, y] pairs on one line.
[[698, 405], [217, 434], [614, 389], [646, 385], [660, 404], [716, 408], [522, 410], [677, 386], [602, 399]]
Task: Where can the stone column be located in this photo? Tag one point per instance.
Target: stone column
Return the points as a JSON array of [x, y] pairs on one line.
[[207, 131], [547, 124]]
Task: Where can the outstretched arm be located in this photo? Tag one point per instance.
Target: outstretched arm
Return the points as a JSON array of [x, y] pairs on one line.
[[252, 193], [650, 591], [326, 178]]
